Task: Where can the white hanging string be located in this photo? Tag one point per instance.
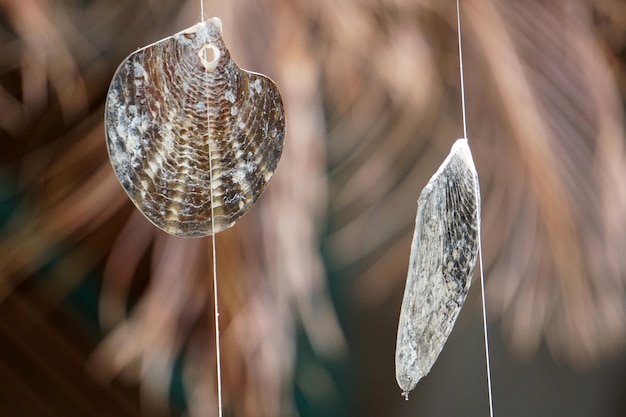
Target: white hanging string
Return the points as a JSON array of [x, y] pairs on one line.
[[458, 25], [480, 250], [218, 359]]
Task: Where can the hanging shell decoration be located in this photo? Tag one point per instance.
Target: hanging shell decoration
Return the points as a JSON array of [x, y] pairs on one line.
[[180, 106], [443, 256]]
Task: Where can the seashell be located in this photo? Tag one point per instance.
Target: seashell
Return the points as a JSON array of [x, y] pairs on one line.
[[443, 256], [179, 106]]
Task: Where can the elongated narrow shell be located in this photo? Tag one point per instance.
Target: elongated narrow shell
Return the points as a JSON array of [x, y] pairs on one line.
[[443, 255], [160, 143]]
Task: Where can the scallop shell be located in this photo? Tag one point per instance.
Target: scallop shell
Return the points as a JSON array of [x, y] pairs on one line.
[[159, 141]]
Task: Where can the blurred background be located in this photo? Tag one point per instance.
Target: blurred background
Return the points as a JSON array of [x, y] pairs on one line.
[[103, 315]]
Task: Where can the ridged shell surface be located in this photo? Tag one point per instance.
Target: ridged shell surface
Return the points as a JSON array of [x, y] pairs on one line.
[[443, 256], [175, 108]]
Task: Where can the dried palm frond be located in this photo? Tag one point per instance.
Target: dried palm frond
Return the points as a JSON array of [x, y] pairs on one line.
[[268, 265], [564, 115], [547, 128], [372, 99]]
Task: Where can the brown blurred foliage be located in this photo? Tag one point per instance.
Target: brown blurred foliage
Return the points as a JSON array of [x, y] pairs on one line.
[[372, 98]]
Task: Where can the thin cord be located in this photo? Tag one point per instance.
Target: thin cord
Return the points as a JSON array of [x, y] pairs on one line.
[[487, 356], [480, 249], [218, 356], [458, 23]]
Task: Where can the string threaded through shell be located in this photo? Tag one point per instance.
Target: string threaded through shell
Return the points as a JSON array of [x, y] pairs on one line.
[[178, 102]]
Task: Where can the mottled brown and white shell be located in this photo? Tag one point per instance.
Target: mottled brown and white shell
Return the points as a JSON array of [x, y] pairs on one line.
[[179, 106]]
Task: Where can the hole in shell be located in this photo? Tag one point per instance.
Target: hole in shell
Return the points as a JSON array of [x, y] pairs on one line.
[[209, 56]]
